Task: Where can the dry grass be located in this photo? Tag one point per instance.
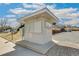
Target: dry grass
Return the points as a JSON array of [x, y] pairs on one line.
[[12, 37]]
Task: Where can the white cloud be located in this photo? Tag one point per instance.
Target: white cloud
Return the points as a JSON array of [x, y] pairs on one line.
[[72, 22], [25, 9], [73, 15], [66, 10], [25, 5], [13, 22], [65, 13], [9, 16], [20, 11], [60, 13], [52, 6], [33, 5], [4, 3]]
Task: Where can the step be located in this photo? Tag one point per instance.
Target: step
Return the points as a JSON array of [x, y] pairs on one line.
[[41, 48]]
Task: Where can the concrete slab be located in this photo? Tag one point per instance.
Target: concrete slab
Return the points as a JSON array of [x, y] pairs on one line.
[[3, 40], [10, 44], [69, 39], [5, 50], [6, 46], [41, 48], [21, 51]]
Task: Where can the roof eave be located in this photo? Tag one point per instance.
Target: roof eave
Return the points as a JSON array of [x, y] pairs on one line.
[[40, 11]]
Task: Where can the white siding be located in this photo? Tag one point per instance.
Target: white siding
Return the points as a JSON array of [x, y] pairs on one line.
[[37, 33], [34, 27], [37, 27]]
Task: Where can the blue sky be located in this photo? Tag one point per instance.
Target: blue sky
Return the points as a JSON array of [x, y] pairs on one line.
[[64, 11], [4, 8]]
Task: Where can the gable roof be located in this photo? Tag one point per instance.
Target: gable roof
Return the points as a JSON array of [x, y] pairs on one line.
[[39, 11]]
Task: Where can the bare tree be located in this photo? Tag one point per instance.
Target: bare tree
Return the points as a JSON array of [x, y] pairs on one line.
[[3, 24]]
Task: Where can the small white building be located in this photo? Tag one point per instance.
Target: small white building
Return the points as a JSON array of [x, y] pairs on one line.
[[37, 32]]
